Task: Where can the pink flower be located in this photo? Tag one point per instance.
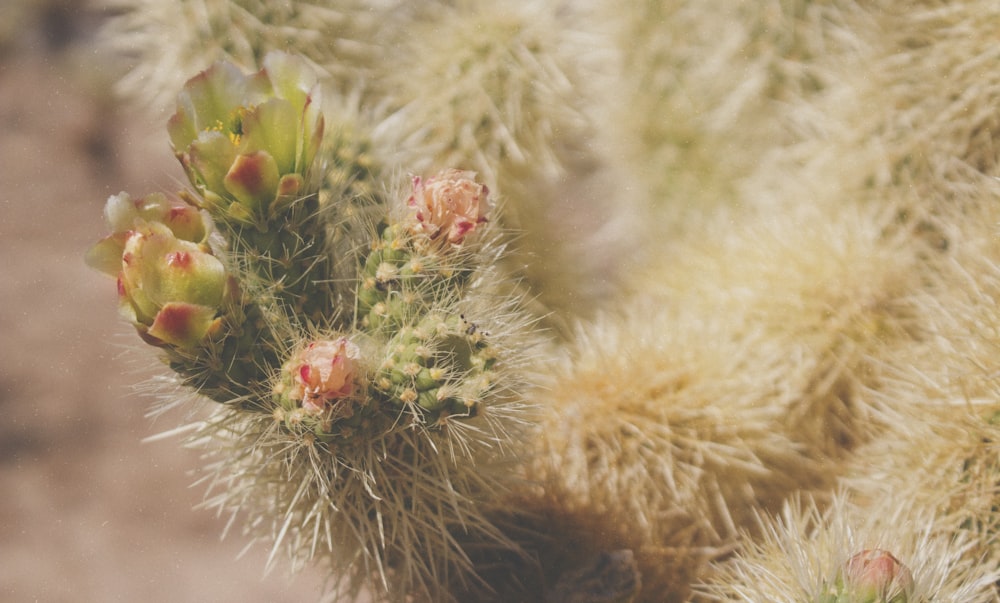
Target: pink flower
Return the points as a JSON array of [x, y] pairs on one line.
[[448, 206], [876, 575], [323, 371]]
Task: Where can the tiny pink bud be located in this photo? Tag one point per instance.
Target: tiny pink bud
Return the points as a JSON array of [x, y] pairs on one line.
[[323, 371], [448, 206], [876, 576]]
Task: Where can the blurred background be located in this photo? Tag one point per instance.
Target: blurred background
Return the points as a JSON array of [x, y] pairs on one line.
[[88, 511]]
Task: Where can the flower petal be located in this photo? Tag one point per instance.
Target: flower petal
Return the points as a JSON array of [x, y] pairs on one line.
[[273, 126], [253, 180], [106, 254], [210, 157], [206, 102], [183, 324]]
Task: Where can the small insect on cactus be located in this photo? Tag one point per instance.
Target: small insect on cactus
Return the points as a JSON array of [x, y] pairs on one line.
[[361, 413]]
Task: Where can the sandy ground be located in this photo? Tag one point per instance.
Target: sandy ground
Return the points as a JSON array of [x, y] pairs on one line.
[[88, 512]]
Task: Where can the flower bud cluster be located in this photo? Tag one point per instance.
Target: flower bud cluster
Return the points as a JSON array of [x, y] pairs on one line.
[[338, 353], [170, 285], [247, 142]]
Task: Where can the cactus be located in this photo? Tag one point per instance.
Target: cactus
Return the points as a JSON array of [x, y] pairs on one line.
[[385, 200], [358, 419], [845, 553], [172, 41]]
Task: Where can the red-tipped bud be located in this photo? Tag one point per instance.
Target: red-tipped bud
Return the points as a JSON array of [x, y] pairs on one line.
[[170, 289], [875, 576]]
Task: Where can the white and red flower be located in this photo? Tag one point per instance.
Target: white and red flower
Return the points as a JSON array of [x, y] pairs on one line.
[[448, 207], [323, 371]]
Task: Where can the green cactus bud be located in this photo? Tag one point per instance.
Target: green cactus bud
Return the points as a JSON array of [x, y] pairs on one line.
[[170, 289], [430, 400], [248, 139], [399, 377], [428, 379]]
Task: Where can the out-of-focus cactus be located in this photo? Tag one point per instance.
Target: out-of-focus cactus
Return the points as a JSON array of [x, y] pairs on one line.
[[838, 554], [692, 90], [843, 299], [169, 41], [942, 448]]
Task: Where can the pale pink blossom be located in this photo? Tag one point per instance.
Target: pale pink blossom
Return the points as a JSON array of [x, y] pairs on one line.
[[322, 372], [449, 206]]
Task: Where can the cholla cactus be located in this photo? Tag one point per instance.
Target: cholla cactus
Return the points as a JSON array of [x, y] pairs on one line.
[[658, 436], [337, 279], [700, 100], [169, 41], [359, 417], [844, 298], [943, 448], [846, 554]]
